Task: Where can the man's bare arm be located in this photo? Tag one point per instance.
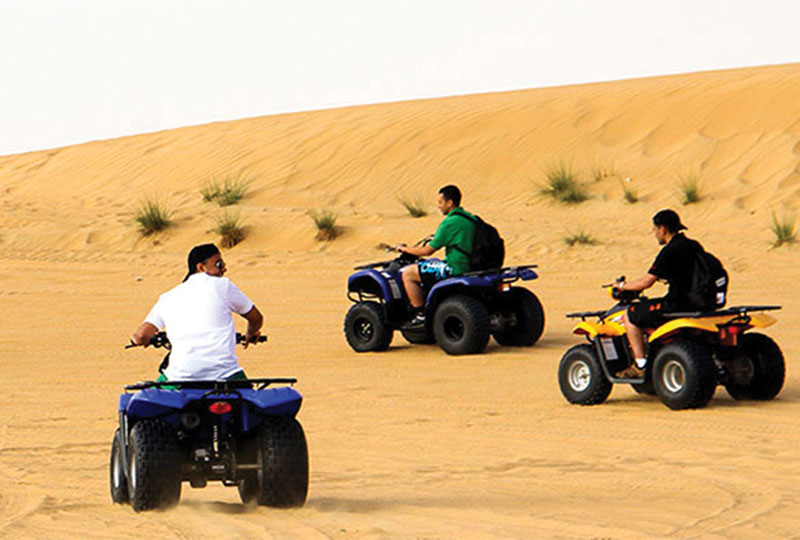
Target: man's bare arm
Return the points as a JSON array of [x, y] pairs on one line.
[[254, 322], [143, 334], [640, 284]]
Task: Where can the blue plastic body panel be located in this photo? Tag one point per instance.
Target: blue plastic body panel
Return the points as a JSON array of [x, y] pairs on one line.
[[356, 281], [156, 402]]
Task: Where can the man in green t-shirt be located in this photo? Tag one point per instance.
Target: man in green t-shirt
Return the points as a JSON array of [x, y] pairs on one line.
[[456, 234]]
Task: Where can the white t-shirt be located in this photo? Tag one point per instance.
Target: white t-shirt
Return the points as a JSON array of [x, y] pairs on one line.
[[198, 318]]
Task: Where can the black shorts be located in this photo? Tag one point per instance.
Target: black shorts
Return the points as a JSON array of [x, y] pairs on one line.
[[648, 314]]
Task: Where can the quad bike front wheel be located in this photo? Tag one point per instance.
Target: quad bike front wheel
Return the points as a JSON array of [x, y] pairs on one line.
[[366, 329], [684, 376], [756, 370], [461, 325], [282, 455], [154, 466], [581, 378], [118, 480], [522, 318]]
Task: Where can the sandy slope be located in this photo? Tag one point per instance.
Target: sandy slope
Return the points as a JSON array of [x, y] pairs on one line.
[[411, 443]]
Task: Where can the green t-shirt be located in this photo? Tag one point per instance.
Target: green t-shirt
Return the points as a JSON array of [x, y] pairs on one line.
[[455, 232]]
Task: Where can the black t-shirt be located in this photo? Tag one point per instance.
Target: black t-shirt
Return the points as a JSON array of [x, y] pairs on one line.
[[675, 264]]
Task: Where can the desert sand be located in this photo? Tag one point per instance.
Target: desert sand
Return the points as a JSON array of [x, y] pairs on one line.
[[411, 443]]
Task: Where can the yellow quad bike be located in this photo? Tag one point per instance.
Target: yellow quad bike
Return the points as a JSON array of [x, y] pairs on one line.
[[687, 357]]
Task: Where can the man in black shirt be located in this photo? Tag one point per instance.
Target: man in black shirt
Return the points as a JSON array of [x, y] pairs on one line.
[[675, 265]]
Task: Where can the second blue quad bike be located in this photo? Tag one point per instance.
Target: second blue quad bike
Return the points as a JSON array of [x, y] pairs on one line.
[[242, 433], [461, 312]]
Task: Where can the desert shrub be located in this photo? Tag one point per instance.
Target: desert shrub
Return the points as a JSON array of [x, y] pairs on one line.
[[563, 185], [225, 191], [690, 189], [415, 207], [580, 237], [229, 228], [325, 221], [152, 216], [600, 172], [783, 229], [628, 192]]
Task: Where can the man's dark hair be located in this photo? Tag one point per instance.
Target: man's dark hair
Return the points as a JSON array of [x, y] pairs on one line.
[[451, 193], [669, 219], [199, 254]]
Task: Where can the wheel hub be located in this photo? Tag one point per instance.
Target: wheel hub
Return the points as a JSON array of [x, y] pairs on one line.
[[579, 376], [673, 376], [454, 328], [364, 329]]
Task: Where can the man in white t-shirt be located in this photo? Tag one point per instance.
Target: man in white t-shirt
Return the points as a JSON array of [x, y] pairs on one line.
[[197, 315]]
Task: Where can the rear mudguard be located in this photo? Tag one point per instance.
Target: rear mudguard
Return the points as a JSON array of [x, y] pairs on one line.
[[613, 326], [708, 324], [470, 283], [160, 403]]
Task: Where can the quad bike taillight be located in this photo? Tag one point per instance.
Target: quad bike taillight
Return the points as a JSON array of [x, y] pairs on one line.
[[729, 335], [220, 407]]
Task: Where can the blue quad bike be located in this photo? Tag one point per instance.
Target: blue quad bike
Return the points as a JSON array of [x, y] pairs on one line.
[[460, 312], [240, 432]]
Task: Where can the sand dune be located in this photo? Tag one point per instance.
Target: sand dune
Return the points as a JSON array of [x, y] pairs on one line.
[[411, 443]]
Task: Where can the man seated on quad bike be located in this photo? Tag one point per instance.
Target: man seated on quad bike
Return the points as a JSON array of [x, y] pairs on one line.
[[455, 233], [673, 264], [198, 316]]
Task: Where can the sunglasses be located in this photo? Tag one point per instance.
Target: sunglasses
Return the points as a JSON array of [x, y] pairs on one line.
[[220, 264]]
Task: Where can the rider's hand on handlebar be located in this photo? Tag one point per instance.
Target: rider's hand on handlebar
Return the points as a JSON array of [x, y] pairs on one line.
[[401, 248], [250, 338]]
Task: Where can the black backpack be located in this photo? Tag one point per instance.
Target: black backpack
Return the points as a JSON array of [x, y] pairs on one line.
[[709, 290], [488, 248]]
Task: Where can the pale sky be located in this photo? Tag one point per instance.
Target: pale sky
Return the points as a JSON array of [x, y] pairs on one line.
[[78, 70]]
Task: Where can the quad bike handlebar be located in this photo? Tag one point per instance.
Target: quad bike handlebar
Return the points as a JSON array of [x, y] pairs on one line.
[[623, 297], [402, 258], [160, 339]]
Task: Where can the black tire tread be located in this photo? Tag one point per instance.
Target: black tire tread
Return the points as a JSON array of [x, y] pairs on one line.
[[155, 447], [530, 311], [283, 481], [700, 373], [477, 330], [374, 313], [770, 369], [119, 493], [599, 389]]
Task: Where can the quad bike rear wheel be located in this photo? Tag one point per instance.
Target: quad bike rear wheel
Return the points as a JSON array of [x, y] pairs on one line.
[[461, 325], [282, 454], [118, 480], [366, 329], [522, 315], [684, 376], [756, 370], [154, 466], [581, 378]]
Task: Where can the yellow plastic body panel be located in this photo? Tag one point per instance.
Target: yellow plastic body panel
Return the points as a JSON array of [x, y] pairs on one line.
[[612, 326], [708, 324]]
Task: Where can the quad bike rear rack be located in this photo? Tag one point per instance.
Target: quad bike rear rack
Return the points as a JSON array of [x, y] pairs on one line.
[[221, 384], [740, 311]]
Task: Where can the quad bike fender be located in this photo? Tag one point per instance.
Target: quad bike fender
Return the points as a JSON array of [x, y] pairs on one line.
[[375, 282], [124, 399], [155, 402], [708, 324], [282, 401], [594, 329], [449, 286]]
